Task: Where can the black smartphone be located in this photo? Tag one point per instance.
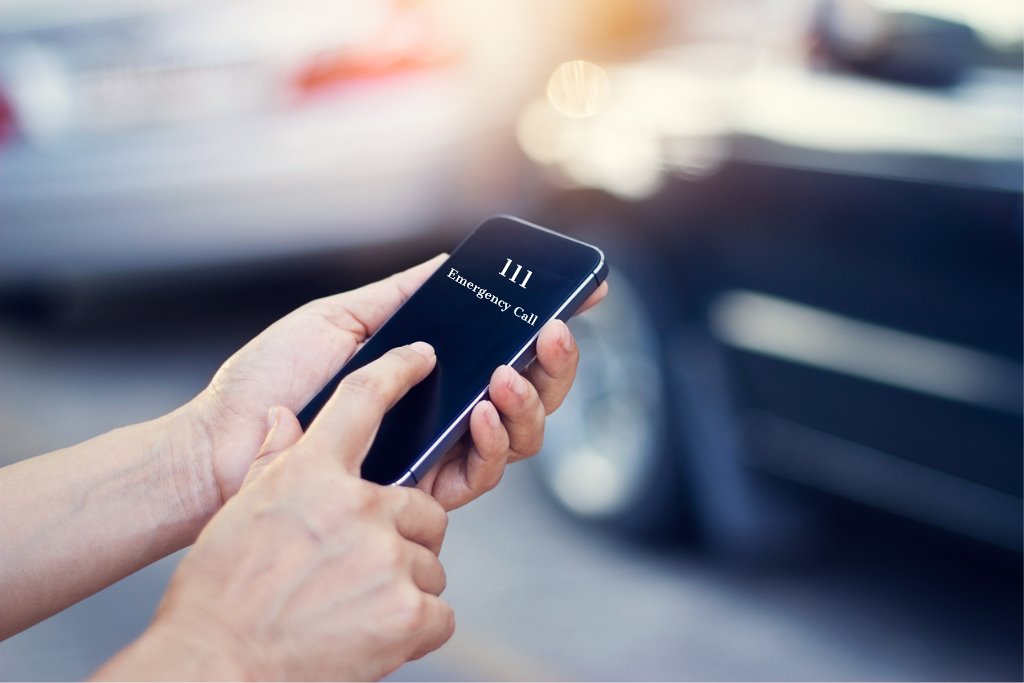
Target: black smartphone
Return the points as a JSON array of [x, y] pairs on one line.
[[484, 307]]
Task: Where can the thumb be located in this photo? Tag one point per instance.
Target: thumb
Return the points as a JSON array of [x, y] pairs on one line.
[[283, 431]]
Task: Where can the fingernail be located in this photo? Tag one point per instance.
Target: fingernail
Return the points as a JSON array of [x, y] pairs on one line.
[[422, 348], [565, 337], [516, 383], [271, 418]]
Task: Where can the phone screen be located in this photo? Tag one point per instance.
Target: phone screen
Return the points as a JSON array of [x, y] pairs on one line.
[[479, 310]]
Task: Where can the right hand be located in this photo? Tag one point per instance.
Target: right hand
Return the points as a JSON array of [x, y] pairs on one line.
[[310, 572]]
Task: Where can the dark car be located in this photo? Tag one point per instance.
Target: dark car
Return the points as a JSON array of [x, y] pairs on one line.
[[818, 287]]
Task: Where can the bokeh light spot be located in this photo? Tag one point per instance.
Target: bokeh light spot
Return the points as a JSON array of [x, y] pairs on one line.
[[579, 89]]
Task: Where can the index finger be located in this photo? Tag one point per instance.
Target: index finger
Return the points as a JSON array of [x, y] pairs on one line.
[[349, 421]]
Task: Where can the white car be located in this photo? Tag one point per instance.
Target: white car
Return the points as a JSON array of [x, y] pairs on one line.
[[153, 136]]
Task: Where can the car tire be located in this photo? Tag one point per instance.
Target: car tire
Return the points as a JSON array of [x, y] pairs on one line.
[[610, 456]]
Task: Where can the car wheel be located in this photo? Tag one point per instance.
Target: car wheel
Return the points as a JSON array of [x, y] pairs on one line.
[[608, 456]]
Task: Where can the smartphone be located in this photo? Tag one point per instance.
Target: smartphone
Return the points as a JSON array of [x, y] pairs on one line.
[[483, 308]]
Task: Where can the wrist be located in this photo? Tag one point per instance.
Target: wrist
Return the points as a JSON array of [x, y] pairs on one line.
[[187, 448], [228, 439], [184, 652]]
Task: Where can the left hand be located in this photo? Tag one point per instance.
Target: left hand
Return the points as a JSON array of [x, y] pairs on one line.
[[291, 360]]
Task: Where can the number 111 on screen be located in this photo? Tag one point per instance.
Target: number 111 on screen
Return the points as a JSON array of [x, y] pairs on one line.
[[513, 276]]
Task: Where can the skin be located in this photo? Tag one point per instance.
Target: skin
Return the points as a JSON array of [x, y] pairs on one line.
[[129, 497], [309, 572]]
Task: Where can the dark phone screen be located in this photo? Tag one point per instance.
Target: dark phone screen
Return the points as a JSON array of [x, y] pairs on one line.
[[484, 304]]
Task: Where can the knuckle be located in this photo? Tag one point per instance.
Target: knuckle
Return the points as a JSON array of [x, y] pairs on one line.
[[488, 479], [433, 508], [552, 398], [361, 501], [442, 577], [528, 445], [383, 559], [365, 385], [410, 608], [444, 623], [390, 553], [398, 499], [449, 617], [536, 441], [495, 479], [429, 509], [440, 525], [399, 496], [407, 355]]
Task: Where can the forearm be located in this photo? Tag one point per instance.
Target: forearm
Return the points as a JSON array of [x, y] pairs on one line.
[[76, 520]]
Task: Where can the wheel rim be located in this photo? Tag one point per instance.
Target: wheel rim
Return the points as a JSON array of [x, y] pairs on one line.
[[605, 440]]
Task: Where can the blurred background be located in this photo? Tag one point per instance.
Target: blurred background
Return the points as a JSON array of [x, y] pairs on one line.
[[794, 450]]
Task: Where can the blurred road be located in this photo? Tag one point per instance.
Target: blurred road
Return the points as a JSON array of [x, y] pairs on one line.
[[537, 596]]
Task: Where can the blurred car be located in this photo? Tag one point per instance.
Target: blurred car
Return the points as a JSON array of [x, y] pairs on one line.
[[165, 136], [819, 278]]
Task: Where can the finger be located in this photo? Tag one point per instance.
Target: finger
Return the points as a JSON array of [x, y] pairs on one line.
[[462, 479], [439, 625], [418, 517], [554, 370], [594, 299], [347, 424], [329, 331], [427, 571], [485, 461], [283, 432], [360, 312], [521, 411]]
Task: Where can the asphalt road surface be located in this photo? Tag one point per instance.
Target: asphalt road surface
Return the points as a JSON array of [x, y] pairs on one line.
[[537, 596]]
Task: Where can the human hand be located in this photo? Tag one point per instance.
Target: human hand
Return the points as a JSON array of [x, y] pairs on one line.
[[291, 360], [309, 572], [510, 425]]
